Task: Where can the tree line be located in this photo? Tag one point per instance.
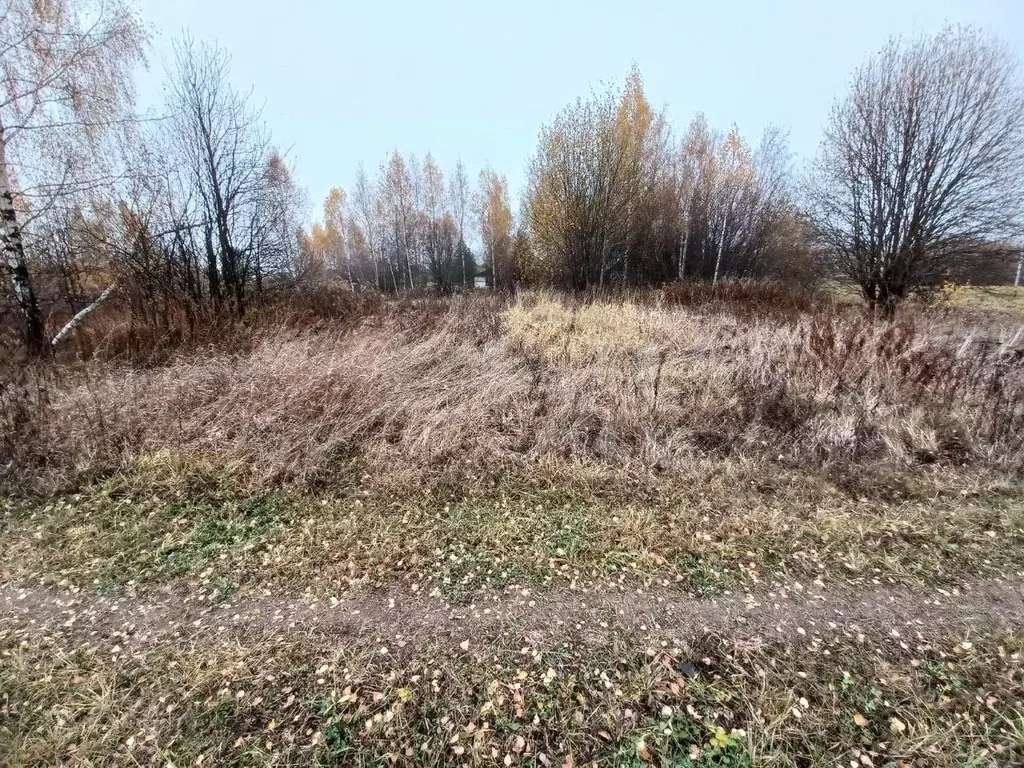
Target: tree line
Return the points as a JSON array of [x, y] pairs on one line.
[[408, 228], [196, 212]]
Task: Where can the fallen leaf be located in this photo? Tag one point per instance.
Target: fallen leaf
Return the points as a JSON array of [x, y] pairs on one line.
[[518, 745], [897, 726], [860, 721], [642, 751]]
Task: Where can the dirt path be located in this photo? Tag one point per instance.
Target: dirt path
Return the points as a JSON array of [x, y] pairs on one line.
[[813, 610]]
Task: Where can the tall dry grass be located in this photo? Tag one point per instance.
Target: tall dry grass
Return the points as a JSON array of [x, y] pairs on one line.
[[479, 386]]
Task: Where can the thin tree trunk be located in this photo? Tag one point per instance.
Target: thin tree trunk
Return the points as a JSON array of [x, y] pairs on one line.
[[682, 253], [1020, 269], [238, 285], [212, 275], [721, 247], [13, 247]]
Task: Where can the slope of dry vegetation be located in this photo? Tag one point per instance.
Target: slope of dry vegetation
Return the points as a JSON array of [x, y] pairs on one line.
[[471, 454], [479, 444], [481, 386]]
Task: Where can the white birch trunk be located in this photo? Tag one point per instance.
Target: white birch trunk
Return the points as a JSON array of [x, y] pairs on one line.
[[12, 249], [721, 246], [80, 316], [14, 257], [682, 252]]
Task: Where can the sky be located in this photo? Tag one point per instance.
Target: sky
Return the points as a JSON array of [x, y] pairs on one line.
[[345, 82]]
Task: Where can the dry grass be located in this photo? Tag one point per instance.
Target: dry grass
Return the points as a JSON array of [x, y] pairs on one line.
[[545, 382], [993, 298], [570, 695], [478, 452], [479, 445]]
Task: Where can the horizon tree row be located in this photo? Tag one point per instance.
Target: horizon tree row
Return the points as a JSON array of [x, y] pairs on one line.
[[410, 228], [194, 212]]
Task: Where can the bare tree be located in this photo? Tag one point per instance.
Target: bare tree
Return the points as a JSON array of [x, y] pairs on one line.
[[367, 206], [440, 230], [922, 163], [274, 222], [397, 194], [65, 81], [225, 152], [458, 193]]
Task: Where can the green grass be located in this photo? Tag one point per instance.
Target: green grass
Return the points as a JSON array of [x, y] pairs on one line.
[[598, 690], [720, 528], [109, 541]]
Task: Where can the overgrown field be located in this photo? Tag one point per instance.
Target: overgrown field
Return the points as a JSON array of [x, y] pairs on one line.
[[692, 528]]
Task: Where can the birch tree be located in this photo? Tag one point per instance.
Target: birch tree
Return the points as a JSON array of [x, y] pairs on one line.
[[594, 185], [458, 193], [367, 215], [441, 236], [65, 81], [735, 177], [336, 231], [396, 190], [495, 218]]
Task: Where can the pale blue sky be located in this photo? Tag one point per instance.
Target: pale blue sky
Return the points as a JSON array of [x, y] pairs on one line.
[[344, 82]]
